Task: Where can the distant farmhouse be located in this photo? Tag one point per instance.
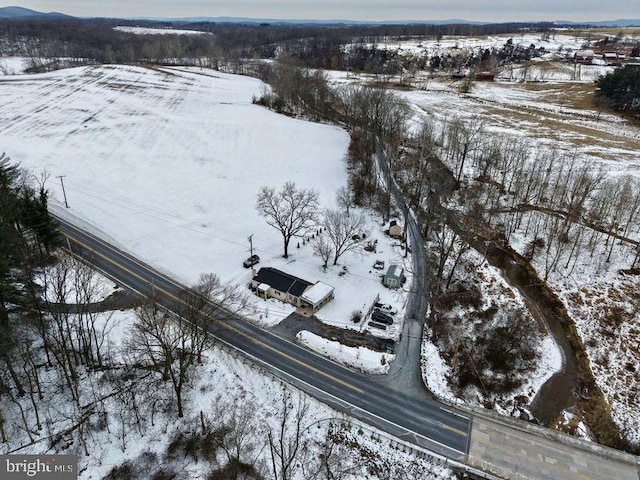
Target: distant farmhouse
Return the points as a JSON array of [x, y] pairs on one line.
[[273, 283], [486, 76], [585, 57]]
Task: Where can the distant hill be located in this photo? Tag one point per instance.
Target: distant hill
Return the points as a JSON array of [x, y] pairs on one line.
[[622, 22], [25, 13], [282, 21]]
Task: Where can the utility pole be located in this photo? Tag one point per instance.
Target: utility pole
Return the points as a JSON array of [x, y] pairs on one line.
[[63, 191], [251, 245]]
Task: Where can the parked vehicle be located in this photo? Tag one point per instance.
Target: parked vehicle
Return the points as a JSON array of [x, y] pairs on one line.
[[388, 309], [379, 265], [377, 325], [381, 317], [251, 261]]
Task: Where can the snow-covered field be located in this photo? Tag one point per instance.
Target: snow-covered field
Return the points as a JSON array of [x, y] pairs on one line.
[[168, 163], [158, 31], [554, 42]]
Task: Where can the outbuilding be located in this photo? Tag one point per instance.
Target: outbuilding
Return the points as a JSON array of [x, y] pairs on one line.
[[394, 278], [584, 57], [395, 230]]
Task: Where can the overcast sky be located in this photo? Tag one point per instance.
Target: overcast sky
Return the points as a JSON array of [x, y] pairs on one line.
[[481, 10]]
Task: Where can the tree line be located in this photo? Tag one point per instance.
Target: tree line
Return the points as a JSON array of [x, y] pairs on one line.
[[51, 44]]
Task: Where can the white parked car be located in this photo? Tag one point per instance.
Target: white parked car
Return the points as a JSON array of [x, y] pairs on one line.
[[388, 309]]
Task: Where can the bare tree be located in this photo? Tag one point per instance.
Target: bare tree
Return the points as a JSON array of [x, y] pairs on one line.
[[240, 442], [333, 460], [291, 211], [285, 440], [166, 344], [462, 141], [345, 199], [344, 231], [323, 248]]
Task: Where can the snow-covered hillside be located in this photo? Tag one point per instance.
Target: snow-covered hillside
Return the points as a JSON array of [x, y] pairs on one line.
[[167, 162]]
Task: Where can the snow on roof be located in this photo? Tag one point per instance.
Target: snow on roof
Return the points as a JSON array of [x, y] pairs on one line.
[[395, 271], [316, 294], [263, 287]]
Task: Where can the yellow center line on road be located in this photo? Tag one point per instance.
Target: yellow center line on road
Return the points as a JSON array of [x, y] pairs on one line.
[[454, 430], [235, 330]]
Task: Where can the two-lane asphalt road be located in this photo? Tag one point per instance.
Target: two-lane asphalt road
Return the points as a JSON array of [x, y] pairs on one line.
[[423, 421]]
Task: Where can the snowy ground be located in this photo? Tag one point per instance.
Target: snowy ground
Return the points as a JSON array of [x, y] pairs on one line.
[[12, 65], [359, 358], [168, 163], [549, 103], [242, 384], [357, 284], [449, 44], [552, 108], [176, 160], [158, 31], [71, 281], [498, 293]]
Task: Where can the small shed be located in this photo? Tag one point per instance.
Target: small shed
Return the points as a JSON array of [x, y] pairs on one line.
[[395, 230], [394, 278]]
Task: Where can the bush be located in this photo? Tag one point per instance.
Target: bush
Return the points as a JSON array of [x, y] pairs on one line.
[[234, 469], [185, 445], [462, 293], [124, 471]]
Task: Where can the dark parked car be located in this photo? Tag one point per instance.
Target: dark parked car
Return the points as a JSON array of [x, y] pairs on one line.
[[251, 261], [377, 325], [381, 317]]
